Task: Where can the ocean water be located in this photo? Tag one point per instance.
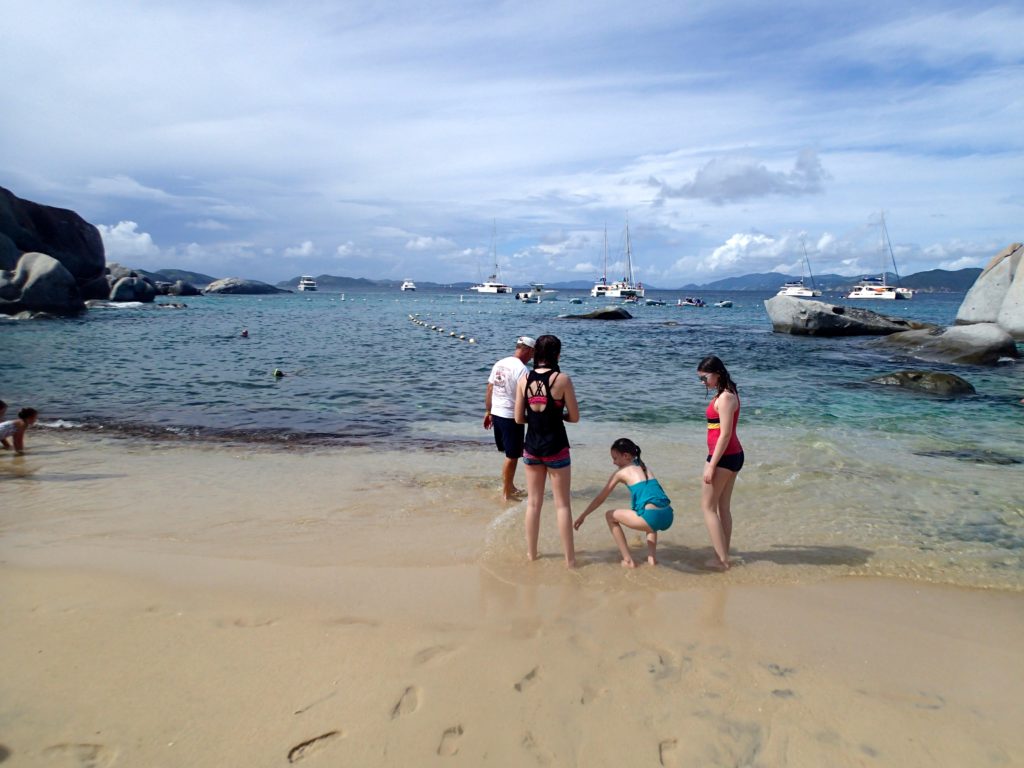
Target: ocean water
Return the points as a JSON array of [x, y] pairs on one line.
[[842, 476]]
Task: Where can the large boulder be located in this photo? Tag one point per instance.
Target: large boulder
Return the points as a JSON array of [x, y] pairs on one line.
[[997, 296], [803, 317], [27, 227], [932, 382], [979, 344], [31, 229], [238, 285], [606, 313], [39, 283], [181, 288], [133, 289]]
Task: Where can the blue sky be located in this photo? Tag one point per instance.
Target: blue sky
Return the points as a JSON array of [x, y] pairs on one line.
[[385, 140]]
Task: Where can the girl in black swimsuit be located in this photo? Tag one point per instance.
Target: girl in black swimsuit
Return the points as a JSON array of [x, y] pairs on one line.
[[545, 400]]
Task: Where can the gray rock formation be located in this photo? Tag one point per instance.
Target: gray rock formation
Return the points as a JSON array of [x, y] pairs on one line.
[[181, 288], [979, 344], [931, 382], [133, 289], [239, 285], [27, 227], [39, 283], [997, 296], [803, 317], [606, 313], [31, 229]]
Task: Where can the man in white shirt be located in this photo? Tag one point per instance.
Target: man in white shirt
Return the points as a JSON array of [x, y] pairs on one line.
[[500, 414]]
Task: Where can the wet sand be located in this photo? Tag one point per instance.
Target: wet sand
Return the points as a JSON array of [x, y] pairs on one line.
[[177, 605]]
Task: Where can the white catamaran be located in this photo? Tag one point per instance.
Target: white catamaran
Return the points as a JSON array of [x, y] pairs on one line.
[[871, 287], [797, 288], [620, 289], [492, 284]]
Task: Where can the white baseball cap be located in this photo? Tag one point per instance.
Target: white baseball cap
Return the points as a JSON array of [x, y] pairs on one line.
[[526, 341]]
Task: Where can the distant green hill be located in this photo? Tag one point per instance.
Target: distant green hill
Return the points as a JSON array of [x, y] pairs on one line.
[[942, 280], [197, 279]]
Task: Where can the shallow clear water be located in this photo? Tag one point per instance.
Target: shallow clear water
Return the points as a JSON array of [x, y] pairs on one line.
[[840, 473]]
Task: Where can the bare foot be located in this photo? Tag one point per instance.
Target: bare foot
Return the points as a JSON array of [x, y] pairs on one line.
[[628, 564], [530, 557], [570, 563], [652, 560], [716, 565]]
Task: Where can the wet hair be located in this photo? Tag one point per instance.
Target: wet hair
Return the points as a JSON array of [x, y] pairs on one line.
[[27, 413], [546, 352], [2, 405], [628, 447], [713, 364]]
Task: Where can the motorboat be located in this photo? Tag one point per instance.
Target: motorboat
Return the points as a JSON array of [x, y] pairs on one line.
[[536, 294], [691, 301], [408, 285], [724, 303], [654, 303], [575, 300], [307, 283], [619, 289]]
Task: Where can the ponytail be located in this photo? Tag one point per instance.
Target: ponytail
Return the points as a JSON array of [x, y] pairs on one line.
[[628, 447]]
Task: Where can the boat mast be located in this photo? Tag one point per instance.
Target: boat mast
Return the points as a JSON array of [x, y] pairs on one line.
[[494, 249], [807, 261], [629, 259], [888, 244], [604, 273]]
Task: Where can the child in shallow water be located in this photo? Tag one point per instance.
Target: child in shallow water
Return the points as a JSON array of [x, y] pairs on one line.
[[15, 429], [651, 509]]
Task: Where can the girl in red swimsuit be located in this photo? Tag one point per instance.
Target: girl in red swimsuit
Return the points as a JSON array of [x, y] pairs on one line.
[[725, 457]]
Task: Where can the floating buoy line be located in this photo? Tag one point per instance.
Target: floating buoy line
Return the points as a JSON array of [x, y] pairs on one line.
[[417, 320]]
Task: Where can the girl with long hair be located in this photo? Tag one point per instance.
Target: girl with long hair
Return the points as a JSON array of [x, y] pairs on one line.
[[725, 457], [545, 400]]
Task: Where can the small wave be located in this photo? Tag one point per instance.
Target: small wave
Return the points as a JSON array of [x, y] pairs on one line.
[[60, 424]]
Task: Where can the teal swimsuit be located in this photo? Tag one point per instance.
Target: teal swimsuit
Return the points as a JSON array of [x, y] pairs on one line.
[[650, 492]]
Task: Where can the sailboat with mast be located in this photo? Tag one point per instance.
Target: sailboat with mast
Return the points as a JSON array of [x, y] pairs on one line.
[[492, 284], [797, 288], [619, 289], [871, 287]]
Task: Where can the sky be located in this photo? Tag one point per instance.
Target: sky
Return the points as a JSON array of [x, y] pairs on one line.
[[395, 140]]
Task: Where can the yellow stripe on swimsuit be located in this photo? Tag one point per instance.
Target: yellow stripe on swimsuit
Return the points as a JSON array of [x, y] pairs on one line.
[[714, 425]]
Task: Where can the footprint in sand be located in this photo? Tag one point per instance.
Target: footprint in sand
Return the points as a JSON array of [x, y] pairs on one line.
[[780, 671], [528, 678], [450, 741], [434, 653], [81, 755], [541, 755], [667, 753], [408, 703], [310, 746]]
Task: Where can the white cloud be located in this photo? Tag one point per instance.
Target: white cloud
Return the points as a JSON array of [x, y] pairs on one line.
[[425, 243], [124, 244], [366, 126]]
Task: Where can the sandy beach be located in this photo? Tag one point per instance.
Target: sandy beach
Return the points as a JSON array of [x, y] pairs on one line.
[[173, 604]]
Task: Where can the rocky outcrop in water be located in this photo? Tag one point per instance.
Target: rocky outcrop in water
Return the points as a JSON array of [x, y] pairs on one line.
[[979, 344], [607, 313], [238, 285], [29, 230], [39, 283], [803, 317], [181, 288], [932, 382], [997, 296]]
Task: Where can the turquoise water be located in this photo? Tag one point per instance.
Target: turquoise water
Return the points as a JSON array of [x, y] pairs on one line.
[[842, 477], [359, 369]]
